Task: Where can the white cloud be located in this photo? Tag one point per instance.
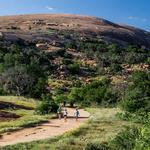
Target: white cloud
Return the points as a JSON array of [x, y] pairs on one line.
[[49, 8], [137, 19], [132, 18]]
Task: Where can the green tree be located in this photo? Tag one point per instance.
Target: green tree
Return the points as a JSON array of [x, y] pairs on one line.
[[47, 105], [137, 96], [16, 81]]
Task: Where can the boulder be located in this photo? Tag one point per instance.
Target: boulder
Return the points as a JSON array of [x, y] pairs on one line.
[[42, 45]]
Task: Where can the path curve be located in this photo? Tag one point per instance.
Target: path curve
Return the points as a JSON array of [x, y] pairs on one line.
[[47, 130]]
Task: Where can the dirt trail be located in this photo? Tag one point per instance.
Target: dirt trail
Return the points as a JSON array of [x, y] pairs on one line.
[[47, 130]]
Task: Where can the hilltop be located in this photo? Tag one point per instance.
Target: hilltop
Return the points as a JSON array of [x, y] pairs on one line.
[[36, 28]]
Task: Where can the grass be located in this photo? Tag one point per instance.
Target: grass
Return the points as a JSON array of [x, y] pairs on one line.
[[55, 84], [101, 127], [27, 118], [28, 102]]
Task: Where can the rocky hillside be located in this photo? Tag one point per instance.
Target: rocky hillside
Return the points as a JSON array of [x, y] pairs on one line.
[[59, 52], [45, 28]]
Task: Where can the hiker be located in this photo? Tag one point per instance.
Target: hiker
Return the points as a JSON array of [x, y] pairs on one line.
[[65, 115], [59, 112], [77, 114]]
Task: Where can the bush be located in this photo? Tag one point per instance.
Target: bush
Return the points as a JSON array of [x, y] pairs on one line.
[[61, 52], [47, 105], [137, 96], [138, 117], [97, 92], [61, 98], [67, 61], [74, 68], [74, 96], [2, 92], [97, 146], [125, 140], [148, 60], [39, 88], [115, 68], [143, 142], [132, 139]]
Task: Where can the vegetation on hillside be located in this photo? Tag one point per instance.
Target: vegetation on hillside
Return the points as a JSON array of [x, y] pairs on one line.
[[82, 72], [23, 71]]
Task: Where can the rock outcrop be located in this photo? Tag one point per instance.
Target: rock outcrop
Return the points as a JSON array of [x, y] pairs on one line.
[[42, 25]]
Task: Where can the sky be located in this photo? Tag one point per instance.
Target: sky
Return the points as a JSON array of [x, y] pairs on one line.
[[131, 12]]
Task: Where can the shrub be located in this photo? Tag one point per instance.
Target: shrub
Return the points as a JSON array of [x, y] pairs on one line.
[[97, 146], [115, 68], [2, 92], [61, 52], [132, 139], [74, 96], [143, 142], [137, 96], [138, 117], [67, 61], [39, 88], [74, 68], [61, 98], [125, 140], [148, 60], [47, 105], [97, 92]]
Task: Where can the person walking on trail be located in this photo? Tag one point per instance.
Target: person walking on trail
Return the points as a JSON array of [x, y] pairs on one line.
[[77, 114], [65, 115], [59, 112]]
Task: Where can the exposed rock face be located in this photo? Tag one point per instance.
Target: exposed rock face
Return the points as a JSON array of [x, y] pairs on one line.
[[92, 26]]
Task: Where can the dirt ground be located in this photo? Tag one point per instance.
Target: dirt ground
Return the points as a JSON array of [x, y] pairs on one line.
[[47, 130]]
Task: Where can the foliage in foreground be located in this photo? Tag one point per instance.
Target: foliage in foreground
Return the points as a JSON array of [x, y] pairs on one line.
[[133, 139], [137, 105], [137, 96]]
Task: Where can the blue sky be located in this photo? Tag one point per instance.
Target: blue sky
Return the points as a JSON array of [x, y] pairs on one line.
[[132, 12]]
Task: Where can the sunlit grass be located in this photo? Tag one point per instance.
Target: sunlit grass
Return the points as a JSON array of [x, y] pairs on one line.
[[27, 118], [55, 84], [28, 102]]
